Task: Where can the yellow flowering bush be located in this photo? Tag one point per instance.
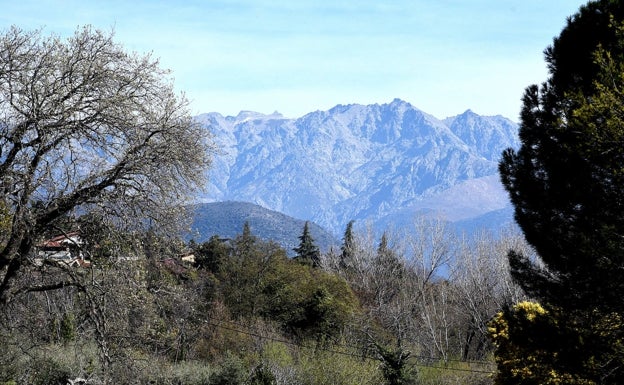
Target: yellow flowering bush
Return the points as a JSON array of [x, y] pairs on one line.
[[530, 310], [521, 337], [499, 326]]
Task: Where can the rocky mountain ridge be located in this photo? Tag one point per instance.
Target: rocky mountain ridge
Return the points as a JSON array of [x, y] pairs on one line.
[[379, 163]]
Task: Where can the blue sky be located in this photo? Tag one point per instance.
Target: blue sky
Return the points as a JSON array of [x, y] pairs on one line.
[[442, 56]]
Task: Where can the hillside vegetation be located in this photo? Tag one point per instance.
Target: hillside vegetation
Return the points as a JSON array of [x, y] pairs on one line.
[[226, 219], [373, 312]]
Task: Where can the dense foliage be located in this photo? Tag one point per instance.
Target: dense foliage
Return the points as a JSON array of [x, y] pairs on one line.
[[566, 184]]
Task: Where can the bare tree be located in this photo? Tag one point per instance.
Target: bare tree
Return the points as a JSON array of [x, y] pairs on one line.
[[483, 285], [431, 246], [86, 126]]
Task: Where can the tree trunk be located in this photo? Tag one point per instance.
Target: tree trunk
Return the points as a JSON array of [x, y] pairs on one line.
[[14, 258]]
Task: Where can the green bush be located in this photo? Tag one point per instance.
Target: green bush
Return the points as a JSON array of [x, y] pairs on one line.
[[262, 375], [48, 371], [68, 328], [329, 368], [307, 302], [231, 372], [187, 373]]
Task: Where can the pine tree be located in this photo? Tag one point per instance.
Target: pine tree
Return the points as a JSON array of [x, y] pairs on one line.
[[566, 180], [347, 248], [566, 184], [383, 250], [307, 251], [246, 242], [212, 255], [388, 271]]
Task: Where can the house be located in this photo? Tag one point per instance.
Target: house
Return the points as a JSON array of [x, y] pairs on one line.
[[174, 266], [66, 248], [188, 258]]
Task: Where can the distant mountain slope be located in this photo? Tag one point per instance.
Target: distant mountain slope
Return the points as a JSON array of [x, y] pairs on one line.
[[363, 162], [490, 221], [226, 219]]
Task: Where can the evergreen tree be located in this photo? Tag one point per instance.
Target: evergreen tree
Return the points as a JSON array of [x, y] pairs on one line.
[[347, 248], [566, 180], [384, 253], [211, 255], [394, 366], [307, 252], [566, 184], [383, 248], [389, 272], [245, 243]]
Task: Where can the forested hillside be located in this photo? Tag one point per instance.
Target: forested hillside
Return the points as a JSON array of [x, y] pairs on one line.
[[225, 219], [245, 313]]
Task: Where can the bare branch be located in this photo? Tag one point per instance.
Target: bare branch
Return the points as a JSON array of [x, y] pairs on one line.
[[86, 126]]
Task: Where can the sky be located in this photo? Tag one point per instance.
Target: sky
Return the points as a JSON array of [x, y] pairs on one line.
[[295, 57]]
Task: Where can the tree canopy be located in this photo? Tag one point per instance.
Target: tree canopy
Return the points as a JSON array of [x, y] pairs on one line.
[[86, 126], [566, 184]]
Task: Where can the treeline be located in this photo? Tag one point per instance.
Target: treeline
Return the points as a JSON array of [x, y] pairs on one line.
[[408, 308]]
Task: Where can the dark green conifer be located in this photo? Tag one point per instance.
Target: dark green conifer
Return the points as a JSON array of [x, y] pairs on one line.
[[348, 247], [307, 251], [245, 243], [566, 183]]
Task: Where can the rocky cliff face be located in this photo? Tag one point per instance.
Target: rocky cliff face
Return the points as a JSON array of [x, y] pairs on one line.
[[363, 162]]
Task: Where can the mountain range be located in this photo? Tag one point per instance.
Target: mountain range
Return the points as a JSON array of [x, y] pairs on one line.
[[380, 163]]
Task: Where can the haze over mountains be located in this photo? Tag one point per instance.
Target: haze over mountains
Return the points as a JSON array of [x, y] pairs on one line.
[[381, 164]]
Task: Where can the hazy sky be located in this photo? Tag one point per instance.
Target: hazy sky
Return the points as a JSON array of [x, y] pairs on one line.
[[442, 56]]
